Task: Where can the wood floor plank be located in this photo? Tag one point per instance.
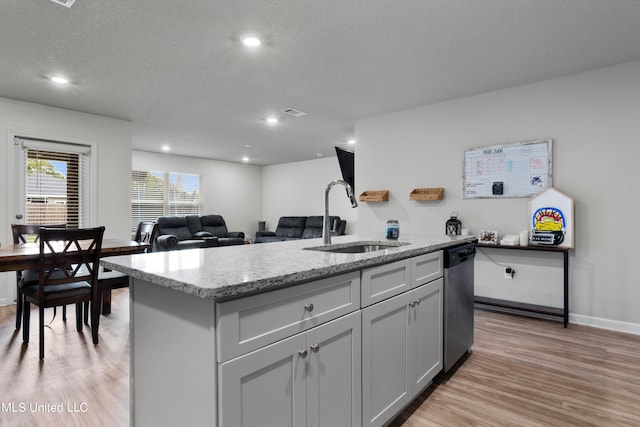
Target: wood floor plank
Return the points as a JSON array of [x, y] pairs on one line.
[[522, 372]]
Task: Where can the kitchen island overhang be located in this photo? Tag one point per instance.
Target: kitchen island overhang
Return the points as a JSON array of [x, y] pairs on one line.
[[232, 272]]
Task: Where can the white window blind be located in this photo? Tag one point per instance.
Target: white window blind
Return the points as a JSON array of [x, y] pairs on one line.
[[57, 182], [155, 194]]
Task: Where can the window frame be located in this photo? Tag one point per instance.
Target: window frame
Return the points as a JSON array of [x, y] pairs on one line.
[[167, 206]]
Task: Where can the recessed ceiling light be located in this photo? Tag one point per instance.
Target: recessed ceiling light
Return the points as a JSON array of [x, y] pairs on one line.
[[166, 148], [318, 154], [351, 141], [272, 120], [251, 41], [247, 145], [59, 79], [245, 159]]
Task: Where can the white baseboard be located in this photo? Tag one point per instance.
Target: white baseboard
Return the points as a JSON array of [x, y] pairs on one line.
[[613, 325]]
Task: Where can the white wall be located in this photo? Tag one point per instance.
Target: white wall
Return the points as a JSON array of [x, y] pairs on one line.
[[297, 189], [593, 120], [113, 138], [228, 189]]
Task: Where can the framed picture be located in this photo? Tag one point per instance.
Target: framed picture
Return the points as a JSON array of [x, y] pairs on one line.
[[488, 237], [551, 219]]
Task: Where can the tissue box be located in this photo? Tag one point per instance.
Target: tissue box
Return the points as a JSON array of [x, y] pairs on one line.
[[510, 240]]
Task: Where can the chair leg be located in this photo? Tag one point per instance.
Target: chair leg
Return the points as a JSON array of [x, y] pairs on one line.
[[64, 313], [79, 316], [26, 314], [86, 312], [41, 320], [19, 303], [96, 305]]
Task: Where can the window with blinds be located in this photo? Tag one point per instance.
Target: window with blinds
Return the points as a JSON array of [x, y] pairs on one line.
[[56, 183], [155, 194]]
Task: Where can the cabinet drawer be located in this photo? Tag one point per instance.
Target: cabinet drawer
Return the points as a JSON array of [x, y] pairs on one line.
[[247, 324], [385, 281], [425, 268]]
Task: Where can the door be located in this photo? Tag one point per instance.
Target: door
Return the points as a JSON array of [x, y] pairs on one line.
[[53, 183], [334, 372], [385, 368], [425, 325], [265, 387]]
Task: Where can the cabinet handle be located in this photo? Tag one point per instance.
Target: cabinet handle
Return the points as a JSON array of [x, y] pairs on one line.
[[309, 307], [303, 352], [315, 348]]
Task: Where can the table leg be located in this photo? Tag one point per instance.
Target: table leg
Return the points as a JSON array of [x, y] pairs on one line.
[[106, 302], [566, 287]]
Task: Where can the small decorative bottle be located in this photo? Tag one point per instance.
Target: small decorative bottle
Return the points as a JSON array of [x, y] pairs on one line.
[[392, 229]]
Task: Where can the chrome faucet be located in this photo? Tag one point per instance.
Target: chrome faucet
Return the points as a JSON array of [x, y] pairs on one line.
[[326, 227]]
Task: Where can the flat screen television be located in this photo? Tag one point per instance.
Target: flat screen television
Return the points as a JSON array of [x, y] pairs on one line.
[[346, 161]]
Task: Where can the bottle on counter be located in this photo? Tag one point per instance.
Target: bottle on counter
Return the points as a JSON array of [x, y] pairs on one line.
[[392, 229]]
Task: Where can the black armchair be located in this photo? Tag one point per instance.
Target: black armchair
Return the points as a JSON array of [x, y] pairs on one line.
[[214, 226]]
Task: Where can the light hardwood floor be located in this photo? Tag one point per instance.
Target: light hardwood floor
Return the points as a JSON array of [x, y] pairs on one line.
[[522, 372]]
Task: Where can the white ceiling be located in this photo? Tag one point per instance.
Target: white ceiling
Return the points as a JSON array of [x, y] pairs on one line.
[[176, 69]]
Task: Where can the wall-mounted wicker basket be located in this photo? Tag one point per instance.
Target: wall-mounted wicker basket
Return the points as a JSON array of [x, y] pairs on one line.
[[435, 193], [375, 196]]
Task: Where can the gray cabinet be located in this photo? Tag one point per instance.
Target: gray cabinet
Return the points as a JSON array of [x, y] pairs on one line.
[[402, 342], [310, 379]]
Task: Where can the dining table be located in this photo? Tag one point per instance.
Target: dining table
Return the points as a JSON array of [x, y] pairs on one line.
[[25, 256]]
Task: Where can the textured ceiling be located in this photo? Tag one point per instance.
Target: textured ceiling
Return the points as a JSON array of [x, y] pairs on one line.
[[178, 72]]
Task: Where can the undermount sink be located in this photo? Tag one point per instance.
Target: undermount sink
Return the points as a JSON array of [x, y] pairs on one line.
[[357, 247]]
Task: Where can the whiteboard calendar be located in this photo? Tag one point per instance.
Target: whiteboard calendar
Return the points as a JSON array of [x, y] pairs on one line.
[[519, 169]]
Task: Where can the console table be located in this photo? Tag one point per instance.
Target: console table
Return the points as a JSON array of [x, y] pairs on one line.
[[528, 309]]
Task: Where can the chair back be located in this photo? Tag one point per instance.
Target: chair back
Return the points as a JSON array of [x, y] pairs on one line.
[[69, 255], [24, 233], [146, 232]]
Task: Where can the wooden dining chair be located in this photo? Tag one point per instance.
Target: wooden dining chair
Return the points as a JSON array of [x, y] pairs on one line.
[[26, 233], [67, 274], [109, 280], [146, 233]]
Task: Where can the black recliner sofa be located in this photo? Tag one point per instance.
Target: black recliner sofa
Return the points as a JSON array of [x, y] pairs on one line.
[[193, 231], [300, 227]]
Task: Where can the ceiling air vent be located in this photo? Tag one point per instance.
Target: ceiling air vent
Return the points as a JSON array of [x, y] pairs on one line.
[[65, 3], [293, 112]]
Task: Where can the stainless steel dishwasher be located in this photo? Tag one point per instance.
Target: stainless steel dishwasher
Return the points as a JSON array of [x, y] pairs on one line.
[[458, 302]]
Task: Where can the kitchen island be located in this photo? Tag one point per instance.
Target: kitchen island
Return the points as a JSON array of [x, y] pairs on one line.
[[281, 334]]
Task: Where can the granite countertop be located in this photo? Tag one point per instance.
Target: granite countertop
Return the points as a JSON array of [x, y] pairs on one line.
[[233, 271]]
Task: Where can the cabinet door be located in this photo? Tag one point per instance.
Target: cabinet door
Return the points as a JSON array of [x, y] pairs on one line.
[[425, 326], [384, 281], [425, 268], [265, 387], [385, 335], [334, 372]]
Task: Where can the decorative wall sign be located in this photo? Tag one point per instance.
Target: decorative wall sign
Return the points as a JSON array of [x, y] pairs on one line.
[[551, 219], [520, 169]]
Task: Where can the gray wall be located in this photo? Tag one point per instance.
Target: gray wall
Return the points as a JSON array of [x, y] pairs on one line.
[[113, 139], [297, 189], [593, 120], [229, 189]]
